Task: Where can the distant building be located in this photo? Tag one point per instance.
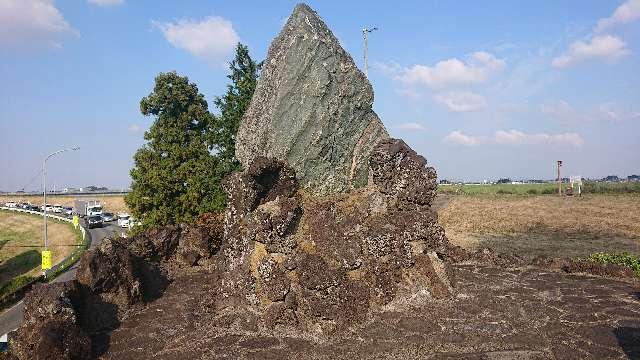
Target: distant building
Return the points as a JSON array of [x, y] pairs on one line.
[[611, 178], [634, 178]]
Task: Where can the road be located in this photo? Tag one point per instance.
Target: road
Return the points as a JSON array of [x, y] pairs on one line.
[[12, 318]]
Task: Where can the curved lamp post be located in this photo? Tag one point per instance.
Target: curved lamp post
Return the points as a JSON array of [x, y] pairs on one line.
[[44, 184]]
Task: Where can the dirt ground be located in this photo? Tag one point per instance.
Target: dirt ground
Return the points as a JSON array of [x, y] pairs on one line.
[[22, 239], [114, 204], [543, 225]]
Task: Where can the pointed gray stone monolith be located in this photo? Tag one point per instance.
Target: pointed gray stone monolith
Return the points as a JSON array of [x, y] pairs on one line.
[[312, 109]]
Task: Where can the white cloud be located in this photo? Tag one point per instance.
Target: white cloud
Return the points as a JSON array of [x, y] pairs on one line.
[[106, 3], [461, 101], [211, 39], [559, 110], [625, 13], [609, 112], [29, 22], [475, 69], [515, 137], [134, 128], [458, 138], [605, 47], [411, 126]]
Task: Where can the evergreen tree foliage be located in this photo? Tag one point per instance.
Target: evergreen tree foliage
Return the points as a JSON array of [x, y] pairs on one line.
[[233, 104], [189, 150], [175, 176]]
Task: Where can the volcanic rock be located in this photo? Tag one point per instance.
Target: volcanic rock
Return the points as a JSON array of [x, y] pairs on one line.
[[111, 270], [51, 326], [312, 109]]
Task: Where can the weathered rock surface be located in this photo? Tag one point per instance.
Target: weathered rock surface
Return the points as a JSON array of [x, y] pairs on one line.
[[51, 327], [323, 263], [496, 314], [312, 109]]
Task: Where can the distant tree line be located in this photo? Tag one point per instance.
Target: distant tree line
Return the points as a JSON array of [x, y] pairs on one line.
[[188, 149]]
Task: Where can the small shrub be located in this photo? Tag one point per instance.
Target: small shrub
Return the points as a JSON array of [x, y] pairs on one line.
[[626, 259], [502, 192], [532, 192]]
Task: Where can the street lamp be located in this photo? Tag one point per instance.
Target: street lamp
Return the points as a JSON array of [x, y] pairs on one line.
[[44, 185], [365, 31]]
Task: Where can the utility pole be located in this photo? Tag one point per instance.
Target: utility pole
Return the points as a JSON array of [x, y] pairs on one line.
[[44, 193], [365, 31], [559, 178]]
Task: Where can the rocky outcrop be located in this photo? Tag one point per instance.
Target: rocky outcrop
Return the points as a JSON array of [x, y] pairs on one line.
[[322, 263], [312, 109], [51, 326]]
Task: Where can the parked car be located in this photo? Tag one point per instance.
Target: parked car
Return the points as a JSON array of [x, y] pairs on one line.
[[24, 206], [57, 209], [34, 208], [123, 220], [107, 217], [47, 208], [10, 204], [68, 210], [94, 221]]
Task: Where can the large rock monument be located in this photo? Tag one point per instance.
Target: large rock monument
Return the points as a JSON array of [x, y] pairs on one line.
[[312, 109], [329, 248]]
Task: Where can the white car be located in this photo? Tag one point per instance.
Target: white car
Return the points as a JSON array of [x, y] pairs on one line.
[[124, 220], [57, 209], [94, 210], [10, 204], [47, 208]]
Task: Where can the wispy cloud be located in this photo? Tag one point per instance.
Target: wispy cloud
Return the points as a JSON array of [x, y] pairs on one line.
[[627, 12], [562, 111], [515, 137], [461, 101], [210, 39], [106, 3], [411, 126], [135, 128], [25, 23], [605, 47], [476, 68]]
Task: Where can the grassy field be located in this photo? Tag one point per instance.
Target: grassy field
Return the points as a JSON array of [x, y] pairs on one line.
[[543, 225], [22, 239], [114, 204], [537, 189]]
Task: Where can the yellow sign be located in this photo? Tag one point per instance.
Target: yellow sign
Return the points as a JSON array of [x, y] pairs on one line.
[[75, 221], [46, 259]]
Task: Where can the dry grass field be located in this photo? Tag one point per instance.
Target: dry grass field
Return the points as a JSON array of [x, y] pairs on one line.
[[526, 224], [22, 239], [543, 225], [114, 204]]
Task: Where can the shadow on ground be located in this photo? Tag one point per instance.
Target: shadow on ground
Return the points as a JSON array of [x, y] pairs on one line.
[[543, 240], [19, 265], [629, 341]]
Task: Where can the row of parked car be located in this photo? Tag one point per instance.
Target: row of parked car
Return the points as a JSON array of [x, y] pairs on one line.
[[96, 216], [56, 209], [123, 220]]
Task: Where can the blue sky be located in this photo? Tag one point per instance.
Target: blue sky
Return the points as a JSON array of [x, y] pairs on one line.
[[482, 89]]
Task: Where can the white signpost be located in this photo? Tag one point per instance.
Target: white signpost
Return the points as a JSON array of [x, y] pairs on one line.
[[576, 181]]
